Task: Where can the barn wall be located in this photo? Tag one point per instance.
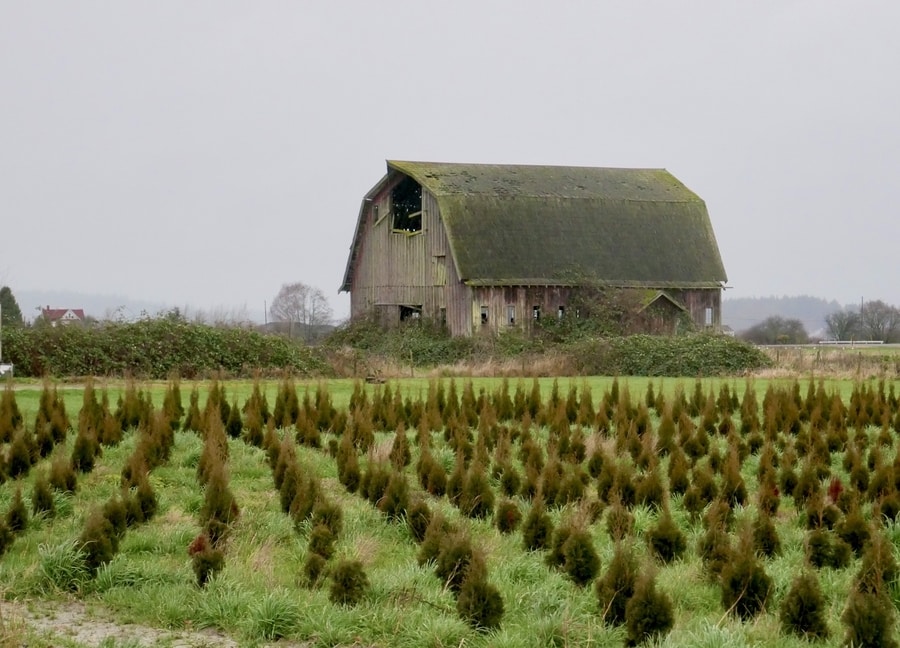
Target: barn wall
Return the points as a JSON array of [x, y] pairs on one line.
[[522, 300], [396, 269], [697, 301]]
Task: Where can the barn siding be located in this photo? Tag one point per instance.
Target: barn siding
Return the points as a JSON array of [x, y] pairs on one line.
[[523, 299], [393, 269], [697, 301]]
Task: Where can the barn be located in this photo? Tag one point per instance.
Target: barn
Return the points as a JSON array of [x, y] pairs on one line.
[[490, 248]]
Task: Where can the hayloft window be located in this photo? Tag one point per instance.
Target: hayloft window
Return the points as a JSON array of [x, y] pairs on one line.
[[406, 206], [511, 314], [536, 313], [484, 315], [561, 312], [708, 316]]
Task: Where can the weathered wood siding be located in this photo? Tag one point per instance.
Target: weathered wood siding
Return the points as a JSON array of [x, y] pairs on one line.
[[396, 269], [518, 301], [697, 301], [499, 302]]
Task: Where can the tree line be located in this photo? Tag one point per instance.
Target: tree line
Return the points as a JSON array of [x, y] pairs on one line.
[[874, 320]]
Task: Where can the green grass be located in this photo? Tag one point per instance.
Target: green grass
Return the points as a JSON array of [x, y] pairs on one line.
[[260, 595]]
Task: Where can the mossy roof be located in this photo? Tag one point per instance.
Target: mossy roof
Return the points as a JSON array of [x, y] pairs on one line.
[[552, 225]]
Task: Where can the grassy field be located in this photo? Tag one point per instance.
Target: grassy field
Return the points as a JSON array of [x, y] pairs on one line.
[[262, 593]]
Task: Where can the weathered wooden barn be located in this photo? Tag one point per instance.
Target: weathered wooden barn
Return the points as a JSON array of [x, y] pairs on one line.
[[482, 247]]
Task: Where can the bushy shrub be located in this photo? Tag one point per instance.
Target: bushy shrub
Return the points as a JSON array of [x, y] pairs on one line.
[[745, 585], [480, 604], [869, 619], [349, 583], [854, 530], [507, 517], [825, 549], [321, 541], [154, 348], [648, 613], [537, 528], [42, 502], [206, 560], [666, 540], [314, 568], [395, 500], [6, 536], [418, 517], [454, 559], [648, 355], [765, 536], [804, 607], [616, 586], [97, 541], [580, 560], [62, 475], [328, 514], [477, 497], [17, 514]]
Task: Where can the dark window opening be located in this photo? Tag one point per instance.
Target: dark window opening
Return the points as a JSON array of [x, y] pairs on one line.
[[561, 312], [511, 314], [406, 206], [410, 313], [484, 315], [536, 312]]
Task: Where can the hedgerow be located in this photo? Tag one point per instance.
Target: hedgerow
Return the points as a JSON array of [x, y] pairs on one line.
[[649, 355], [153, 349], [424, 343]]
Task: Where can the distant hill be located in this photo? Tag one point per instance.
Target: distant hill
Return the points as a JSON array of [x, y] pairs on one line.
[[743, 313]]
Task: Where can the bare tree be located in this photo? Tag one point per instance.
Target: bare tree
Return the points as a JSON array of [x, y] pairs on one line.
[[880, 321], [842, 325], [303, 305]]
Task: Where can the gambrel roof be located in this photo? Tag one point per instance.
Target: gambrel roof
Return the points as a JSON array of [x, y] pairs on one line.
[[553, 225]]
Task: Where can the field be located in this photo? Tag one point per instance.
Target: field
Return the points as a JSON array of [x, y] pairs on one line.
[[410, 513]]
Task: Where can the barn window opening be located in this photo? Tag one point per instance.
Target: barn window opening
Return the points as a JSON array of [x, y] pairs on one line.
[[561, 312], [484, 315], [536, 312], [408, 313], [708, 316], [406, 206], [511, 314]]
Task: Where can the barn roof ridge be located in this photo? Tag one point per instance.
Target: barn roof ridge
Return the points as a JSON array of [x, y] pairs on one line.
[[537, 224]]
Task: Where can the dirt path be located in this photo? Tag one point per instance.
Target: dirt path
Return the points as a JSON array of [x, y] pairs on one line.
[[75, 623]]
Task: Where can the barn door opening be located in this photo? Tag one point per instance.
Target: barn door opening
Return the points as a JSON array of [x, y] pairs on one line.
[[408, 313]]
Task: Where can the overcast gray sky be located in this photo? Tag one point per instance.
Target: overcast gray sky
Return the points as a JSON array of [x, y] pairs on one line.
[[204, 153]]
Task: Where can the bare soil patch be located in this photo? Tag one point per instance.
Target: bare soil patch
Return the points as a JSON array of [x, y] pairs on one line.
[[82, 625]]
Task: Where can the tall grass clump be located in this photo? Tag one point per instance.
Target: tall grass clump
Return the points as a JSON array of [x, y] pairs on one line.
[[61, 567]]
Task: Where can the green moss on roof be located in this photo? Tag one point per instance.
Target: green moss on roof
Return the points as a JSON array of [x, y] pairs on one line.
[[443, 179], [543, 225]]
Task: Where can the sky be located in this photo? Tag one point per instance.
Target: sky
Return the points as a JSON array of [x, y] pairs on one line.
[[203, 153]]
